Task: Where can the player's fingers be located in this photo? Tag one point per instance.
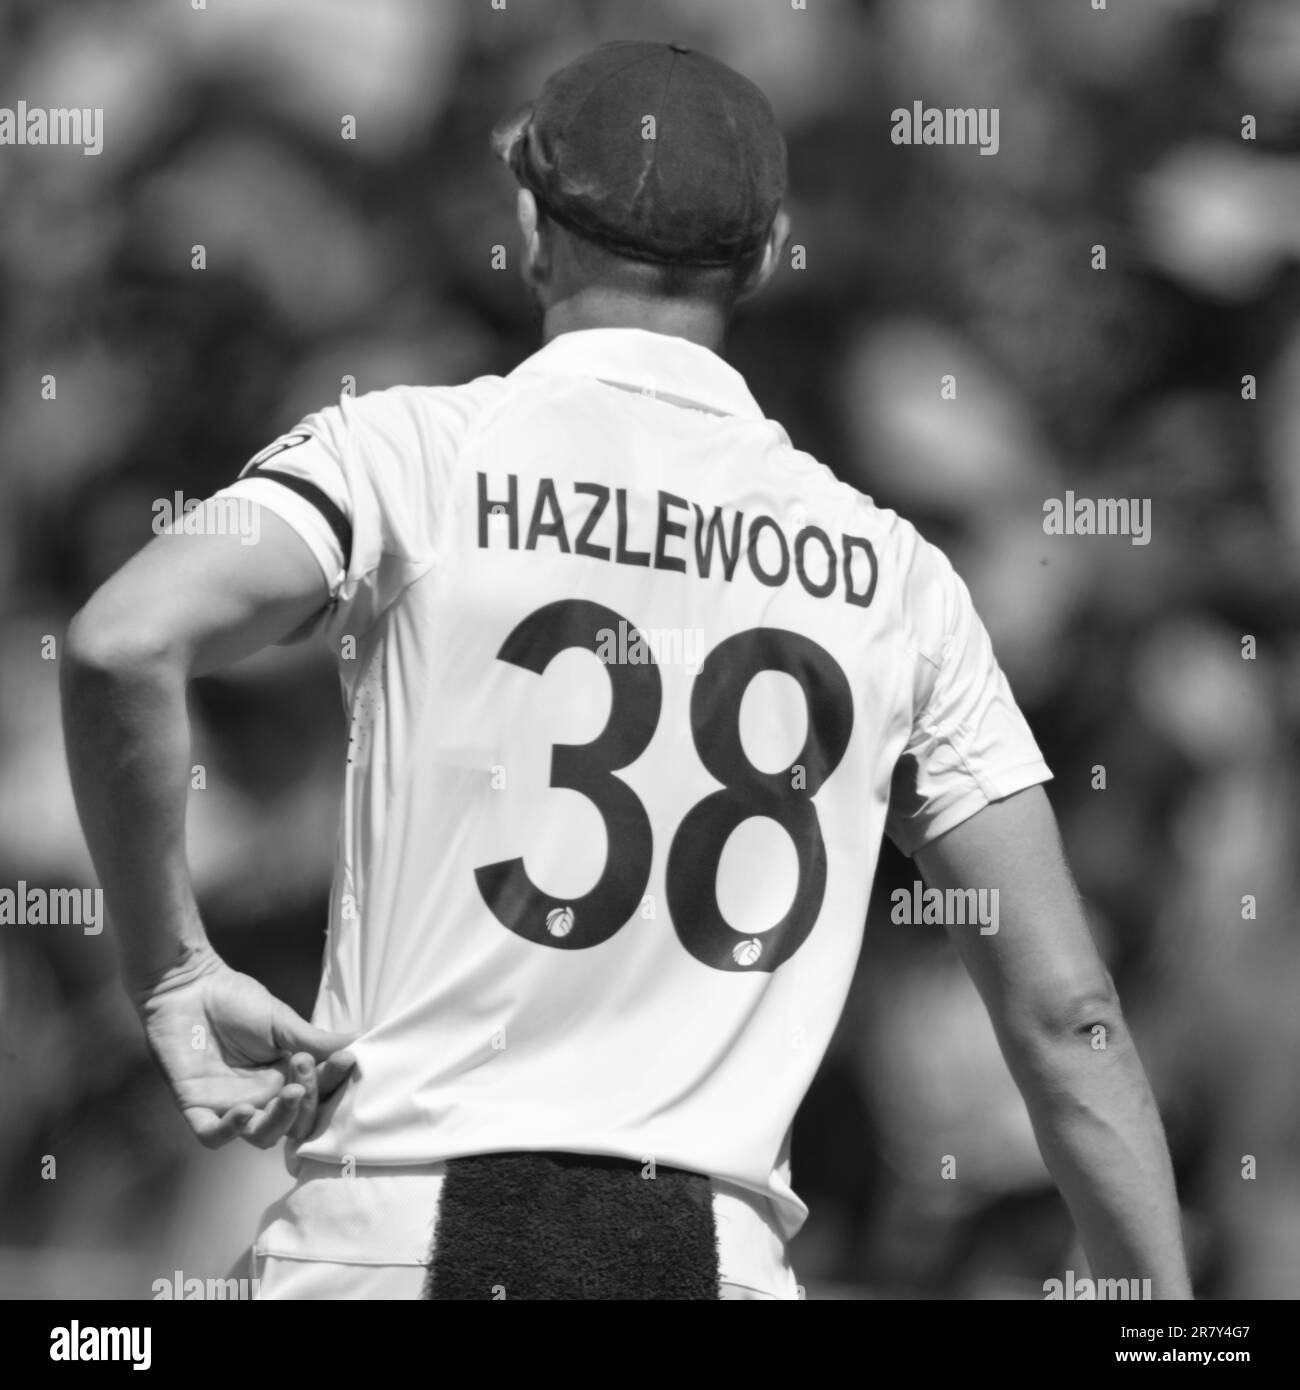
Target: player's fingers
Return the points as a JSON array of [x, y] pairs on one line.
[[292, 1033], [213, 1130], [304, 1073], [269, 1126], [333, 1072], [253, 1088]]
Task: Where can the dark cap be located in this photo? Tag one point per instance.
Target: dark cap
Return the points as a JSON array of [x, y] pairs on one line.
[[699, 184]]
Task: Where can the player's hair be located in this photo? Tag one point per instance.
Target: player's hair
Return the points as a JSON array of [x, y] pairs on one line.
[[600, 265]]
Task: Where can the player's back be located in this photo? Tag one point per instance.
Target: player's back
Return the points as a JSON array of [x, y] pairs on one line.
[[629, 678]]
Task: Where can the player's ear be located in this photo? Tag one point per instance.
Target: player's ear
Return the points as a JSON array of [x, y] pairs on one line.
[[536, 252], [773, 249]]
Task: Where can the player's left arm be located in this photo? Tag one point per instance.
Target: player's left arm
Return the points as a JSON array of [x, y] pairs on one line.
[[1059, 1023], [239, 1061]]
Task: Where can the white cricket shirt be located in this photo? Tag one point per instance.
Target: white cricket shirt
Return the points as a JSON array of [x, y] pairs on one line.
[[635, 689]]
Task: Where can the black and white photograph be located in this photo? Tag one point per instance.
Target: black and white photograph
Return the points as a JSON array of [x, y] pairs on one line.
[[650, 650]]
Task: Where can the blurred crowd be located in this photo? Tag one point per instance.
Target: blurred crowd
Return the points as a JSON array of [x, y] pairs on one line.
[[1167, 369]]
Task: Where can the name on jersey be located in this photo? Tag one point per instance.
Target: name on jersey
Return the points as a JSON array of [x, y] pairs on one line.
[[592, 521]]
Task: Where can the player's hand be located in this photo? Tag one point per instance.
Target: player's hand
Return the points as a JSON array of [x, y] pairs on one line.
[[240, 1063]]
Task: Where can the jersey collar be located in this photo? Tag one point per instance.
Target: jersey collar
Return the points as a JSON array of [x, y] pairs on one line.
[[681, 372]]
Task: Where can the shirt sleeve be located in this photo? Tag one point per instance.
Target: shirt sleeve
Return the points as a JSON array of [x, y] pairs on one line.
[[969, 744], [356, 482]]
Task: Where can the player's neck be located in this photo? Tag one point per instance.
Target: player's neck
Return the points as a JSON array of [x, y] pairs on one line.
[[696, 321]]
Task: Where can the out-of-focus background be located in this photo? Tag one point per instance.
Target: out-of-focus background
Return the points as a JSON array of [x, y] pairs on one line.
[[1172, 375]]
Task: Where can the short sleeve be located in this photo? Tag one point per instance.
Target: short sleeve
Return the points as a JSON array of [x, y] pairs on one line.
[[357, 484], [969, 744]]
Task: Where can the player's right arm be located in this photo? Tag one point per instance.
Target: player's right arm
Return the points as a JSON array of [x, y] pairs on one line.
[[1061, 1030]]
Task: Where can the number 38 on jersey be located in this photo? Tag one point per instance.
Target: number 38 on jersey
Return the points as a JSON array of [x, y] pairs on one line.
[[636, 699]]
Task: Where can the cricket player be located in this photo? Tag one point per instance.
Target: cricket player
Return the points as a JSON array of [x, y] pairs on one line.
[[635, 689]]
